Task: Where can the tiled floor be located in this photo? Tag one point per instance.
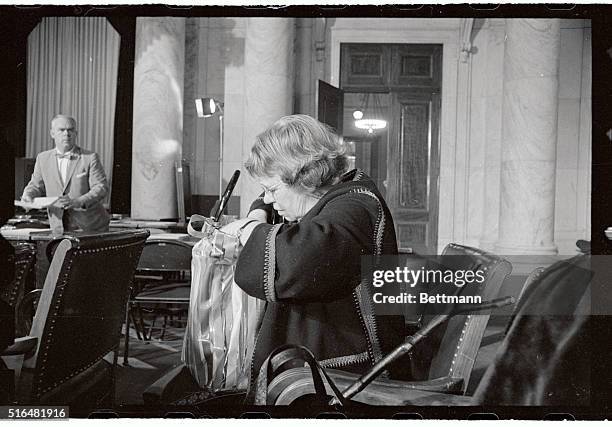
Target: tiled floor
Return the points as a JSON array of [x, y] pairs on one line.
[[147, 362]]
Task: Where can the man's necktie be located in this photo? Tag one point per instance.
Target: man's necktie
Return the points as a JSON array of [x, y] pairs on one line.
[[68, 155]]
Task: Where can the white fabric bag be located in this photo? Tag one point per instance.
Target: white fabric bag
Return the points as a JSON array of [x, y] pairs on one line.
[[222, 321]]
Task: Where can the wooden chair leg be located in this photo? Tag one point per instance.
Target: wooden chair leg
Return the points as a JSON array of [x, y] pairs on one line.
[[113, 389], [127, 333], [164, 327], [151, 327], [136, 327], [142, 323]]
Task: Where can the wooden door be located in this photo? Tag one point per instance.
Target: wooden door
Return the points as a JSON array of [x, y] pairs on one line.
[[413, 170], [330, 105], [412, 75]]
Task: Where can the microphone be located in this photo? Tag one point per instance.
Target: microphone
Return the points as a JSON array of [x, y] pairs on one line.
[[226, 195], [404, 348], [487, 305]]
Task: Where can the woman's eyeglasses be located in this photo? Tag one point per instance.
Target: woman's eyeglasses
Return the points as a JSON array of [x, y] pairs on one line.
[[271, 190]]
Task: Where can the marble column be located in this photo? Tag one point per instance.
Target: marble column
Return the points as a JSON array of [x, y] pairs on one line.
[[268, 68], [158, 116], [529, 137], [494, 72]]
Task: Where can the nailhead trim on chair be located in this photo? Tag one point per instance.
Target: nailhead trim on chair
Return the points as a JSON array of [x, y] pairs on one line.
[[73, 374], [464, 329], [12, 295], [465, 325], [60, 286]]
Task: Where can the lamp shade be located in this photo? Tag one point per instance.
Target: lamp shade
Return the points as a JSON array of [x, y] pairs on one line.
[[205, 107]]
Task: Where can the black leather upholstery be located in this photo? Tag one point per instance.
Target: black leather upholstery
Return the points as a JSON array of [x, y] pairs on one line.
[[546, 357], [449, 351], [80, 312], [24, 261]]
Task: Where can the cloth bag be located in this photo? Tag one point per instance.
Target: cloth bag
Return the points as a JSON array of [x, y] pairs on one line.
[[222, 321]]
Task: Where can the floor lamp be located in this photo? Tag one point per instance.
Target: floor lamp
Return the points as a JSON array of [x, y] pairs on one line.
[[208, 107]]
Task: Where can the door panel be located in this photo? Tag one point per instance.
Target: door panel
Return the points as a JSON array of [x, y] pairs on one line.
[[330, 106], [414, 152], [413, 170], [416, 66], [364, 65]]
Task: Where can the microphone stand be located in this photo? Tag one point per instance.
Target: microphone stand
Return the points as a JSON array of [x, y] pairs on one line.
[[369, 376]]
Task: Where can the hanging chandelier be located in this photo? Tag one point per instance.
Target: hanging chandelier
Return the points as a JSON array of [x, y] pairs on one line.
[[370, 117]]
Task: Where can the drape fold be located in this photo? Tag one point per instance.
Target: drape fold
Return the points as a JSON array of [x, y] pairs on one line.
[[72, 69]]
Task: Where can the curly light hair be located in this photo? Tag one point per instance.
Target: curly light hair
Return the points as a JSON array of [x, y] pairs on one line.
[[304, 152]]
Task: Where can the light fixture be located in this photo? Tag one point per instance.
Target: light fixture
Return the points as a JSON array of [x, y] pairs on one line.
[[208, 107], [205, 107], [370, 116]]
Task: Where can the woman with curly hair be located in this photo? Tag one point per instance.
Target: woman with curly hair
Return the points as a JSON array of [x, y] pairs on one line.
[[303, 242]]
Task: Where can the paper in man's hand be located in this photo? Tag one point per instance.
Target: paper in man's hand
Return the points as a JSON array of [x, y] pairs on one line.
[[37, 203]]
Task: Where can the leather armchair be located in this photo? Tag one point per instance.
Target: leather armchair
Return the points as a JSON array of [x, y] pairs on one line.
[[78, 322]]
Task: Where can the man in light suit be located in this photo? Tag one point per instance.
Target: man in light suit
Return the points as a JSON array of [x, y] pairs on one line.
[[75, 175]]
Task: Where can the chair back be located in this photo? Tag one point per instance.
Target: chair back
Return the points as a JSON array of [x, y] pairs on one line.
[[164, 255], [81, 309], [545, 358], [525, 291], [451, 349], [24, 259]]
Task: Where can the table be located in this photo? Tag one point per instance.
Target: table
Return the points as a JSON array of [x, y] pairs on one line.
[[168, 226], [42, 237]]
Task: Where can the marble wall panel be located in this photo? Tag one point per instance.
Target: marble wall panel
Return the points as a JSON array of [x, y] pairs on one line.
[[269, 71], [529, 136], [530, 119], [574, 23], [448, 133], [304, 76], [221, 59], [202, 163], [477, 210], [446, 215], [476, 142], [478, 129], [158, 116], [190, 91], [566, 199], [584, 153], [570, 57], [568, 142], [572, 213], [476, 170], [234, 127], [495, 59], [475, 139], [492, 138], [527, 208]]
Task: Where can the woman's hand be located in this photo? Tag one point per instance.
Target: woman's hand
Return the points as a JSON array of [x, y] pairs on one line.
[[241, 228], [258, 214]]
